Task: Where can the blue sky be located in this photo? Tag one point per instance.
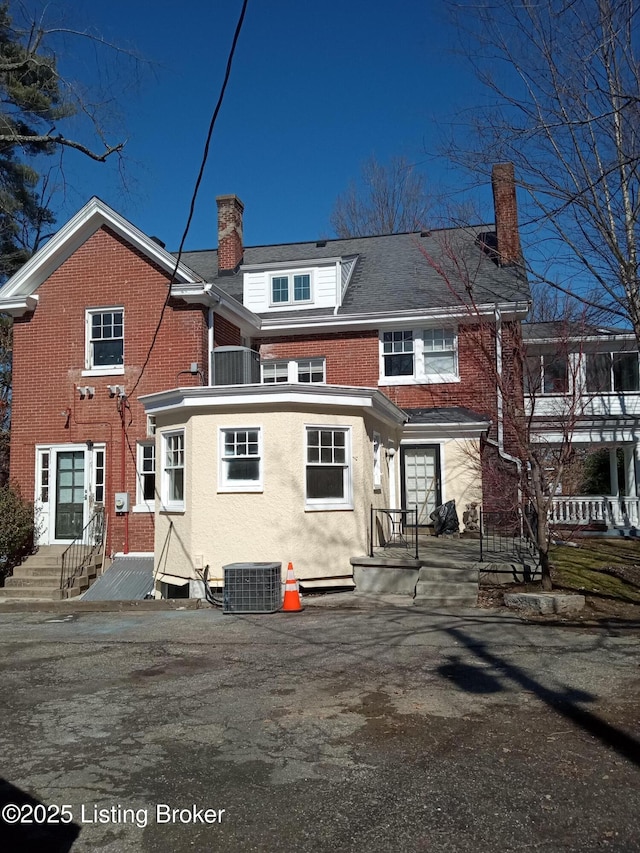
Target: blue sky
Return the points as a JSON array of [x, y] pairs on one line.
[[316, 88]]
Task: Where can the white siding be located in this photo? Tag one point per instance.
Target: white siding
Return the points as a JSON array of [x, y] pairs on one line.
[[257, 289]]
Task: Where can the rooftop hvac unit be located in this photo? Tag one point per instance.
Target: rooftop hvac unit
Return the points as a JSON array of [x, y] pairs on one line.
[[252, 588], [235, 366]]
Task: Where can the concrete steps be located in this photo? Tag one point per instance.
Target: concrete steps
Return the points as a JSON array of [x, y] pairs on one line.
[[441, 585], [40, 574]]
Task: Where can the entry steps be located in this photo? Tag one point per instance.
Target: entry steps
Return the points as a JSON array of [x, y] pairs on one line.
[[448, 583], [39, 577]]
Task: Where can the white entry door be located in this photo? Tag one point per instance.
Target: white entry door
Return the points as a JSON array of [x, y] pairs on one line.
[[421, 480], [69, 483]]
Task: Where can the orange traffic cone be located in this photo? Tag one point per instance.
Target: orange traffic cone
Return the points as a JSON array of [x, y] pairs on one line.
[[291, 603]]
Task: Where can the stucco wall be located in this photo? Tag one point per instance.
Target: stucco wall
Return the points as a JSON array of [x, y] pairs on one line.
[[461, 473], [273, 524]]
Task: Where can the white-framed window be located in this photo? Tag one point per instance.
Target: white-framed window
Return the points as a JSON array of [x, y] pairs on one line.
[[145, 476], [397, 349], [151, 425], [240, 459], [546, 374], [377, 461], [290, 288], [328, 468], [311, 370], [173, 464], [44, 478], [440, 354], [409, 356], [104, 340], [305, 370], [608, 372], [98, 475], [275, 371]]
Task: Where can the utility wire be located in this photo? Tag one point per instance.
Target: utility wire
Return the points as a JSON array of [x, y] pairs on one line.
[[192, 205]]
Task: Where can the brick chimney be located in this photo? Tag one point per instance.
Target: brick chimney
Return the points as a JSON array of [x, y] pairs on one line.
[[230, 248], [506, 214]]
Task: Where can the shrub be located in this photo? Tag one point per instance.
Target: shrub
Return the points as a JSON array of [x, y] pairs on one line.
[[16, 529]]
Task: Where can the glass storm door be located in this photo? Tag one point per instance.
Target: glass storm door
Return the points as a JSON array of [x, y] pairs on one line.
[[421, 480], [70, 494]]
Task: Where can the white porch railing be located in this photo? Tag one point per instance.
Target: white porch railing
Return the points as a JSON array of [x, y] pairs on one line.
[[612, 511]]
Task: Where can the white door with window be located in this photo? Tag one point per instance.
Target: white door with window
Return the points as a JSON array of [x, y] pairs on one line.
[[421, 480], [70, 484]]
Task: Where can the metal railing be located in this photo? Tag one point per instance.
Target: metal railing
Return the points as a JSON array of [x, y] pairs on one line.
[[509, 533], [79, 555], [394, 528]]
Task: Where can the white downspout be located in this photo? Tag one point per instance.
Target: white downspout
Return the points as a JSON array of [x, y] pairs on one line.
[[210, 342], [500, 406]]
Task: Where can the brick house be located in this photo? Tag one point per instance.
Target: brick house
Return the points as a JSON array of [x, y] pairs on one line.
[[280, 390]]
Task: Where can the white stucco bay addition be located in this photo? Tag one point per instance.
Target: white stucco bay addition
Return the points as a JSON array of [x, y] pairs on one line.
[[270, 517]]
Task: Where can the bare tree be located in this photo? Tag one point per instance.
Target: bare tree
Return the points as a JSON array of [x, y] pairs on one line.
[[520, 470], [37, 104], [387, 199], [565, 87]]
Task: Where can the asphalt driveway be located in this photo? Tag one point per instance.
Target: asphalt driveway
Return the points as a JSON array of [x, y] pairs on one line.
[[327, 730]]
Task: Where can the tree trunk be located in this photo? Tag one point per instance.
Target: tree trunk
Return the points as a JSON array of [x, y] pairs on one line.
[[543, 546], [545, 571]]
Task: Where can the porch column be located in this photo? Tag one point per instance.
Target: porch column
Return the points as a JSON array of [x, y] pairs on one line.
[[613, 472], [631, 486]]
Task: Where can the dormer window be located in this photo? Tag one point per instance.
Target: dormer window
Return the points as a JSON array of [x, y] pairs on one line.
[[290, 289]]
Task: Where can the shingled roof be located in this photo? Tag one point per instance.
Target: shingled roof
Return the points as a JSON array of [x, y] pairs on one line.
[[393, 272]]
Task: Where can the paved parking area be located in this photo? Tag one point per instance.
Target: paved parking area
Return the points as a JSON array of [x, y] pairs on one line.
[[394, 729]]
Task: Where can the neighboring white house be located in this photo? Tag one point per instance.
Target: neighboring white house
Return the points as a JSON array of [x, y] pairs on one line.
[[583, 383]]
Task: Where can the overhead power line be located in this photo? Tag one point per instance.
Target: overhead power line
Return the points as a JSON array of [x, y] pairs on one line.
[[194, 195]]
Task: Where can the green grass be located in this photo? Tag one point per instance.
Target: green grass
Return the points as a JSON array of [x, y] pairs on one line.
[[603, 567]]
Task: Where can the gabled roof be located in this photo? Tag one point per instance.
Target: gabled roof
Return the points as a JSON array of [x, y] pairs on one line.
[[393, 272], [19, 292]]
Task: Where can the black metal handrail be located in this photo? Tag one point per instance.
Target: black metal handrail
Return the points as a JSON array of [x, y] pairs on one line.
[[393, 528], [508, 532], [82, 550]]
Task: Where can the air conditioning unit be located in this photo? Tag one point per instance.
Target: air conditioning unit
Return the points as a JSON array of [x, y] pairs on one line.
[[252, 588], [235, 366]]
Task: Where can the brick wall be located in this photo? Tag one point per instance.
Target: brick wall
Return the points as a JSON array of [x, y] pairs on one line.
[[49, 355], [352, 358], [225, 333]]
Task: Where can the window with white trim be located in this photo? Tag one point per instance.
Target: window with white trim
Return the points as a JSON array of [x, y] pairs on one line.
[[546, 374], [146, 474], [240, 460], [173, 470], [410, 356], [275, 371], [612, 371], [99, 475], [105, 339], [440, 356], [397, 348], [305, 370], [290, 289], [328, 467]]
